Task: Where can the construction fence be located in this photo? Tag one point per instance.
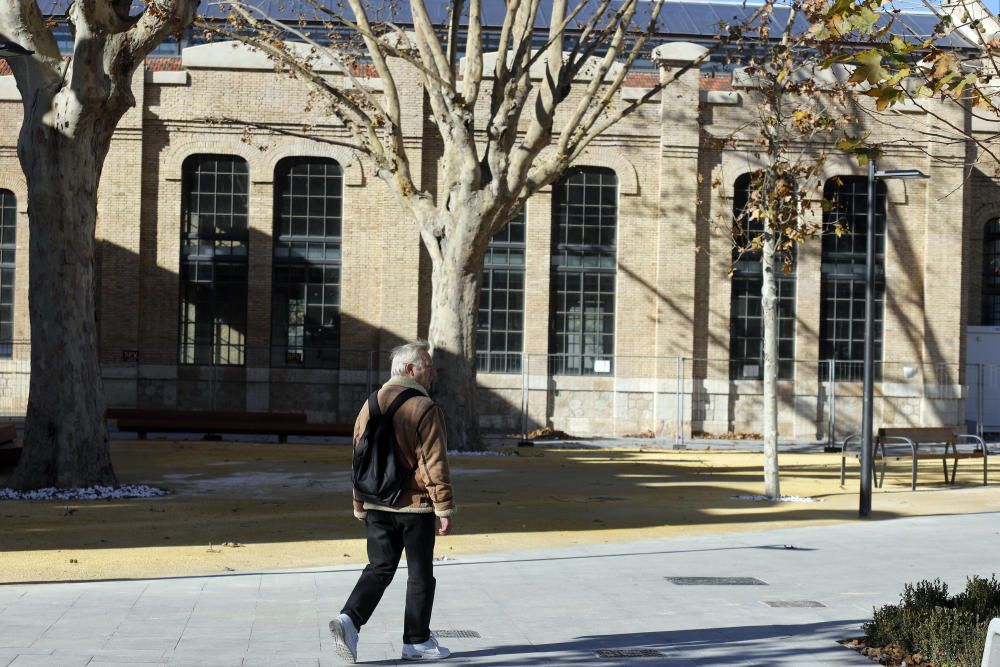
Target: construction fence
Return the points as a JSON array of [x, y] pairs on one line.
[[582, 396]]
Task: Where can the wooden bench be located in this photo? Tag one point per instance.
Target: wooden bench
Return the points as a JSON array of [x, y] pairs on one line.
[[10, 449], [916, 443], [282, 424]]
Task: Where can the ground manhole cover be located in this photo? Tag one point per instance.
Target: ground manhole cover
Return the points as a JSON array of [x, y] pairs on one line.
[[630, 653], [716, 581], [456, 634], [793, 603]]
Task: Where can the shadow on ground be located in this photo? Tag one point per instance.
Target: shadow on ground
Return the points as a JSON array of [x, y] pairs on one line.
[[239, 506]]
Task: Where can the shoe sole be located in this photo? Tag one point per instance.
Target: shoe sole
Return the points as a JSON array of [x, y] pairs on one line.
[[416, 658], [340, 642]]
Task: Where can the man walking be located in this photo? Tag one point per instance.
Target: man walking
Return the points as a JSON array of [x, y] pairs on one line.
[[409, 523]]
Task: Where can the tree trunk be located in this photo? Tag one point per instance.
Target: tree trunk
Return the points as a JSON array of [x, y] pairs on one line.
[[769, 308], [452, 336], [65, 435]]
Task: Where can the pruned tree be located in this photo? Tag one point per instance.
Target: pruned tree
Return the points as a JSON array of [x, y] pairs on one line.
[[798, 117], [72, 105], [496, 116]]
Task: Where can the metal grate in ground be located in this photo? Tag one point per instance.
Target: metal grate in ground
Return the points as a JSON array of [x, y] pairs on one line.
[[630, 653], [716, 581], [456, 634]]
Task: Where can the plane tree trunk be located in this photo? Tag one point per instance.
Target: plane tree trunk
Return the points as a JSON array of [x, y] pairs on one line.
[[72, 106], [65, 435]]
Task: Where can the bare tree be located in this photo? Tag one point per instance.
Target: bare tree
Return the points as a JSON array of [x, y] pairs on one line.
[[496, 114], [72, 105]]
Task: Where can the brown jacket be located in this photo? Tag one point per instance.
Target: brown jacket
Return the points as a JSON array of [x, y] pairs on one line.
[[422, 441]]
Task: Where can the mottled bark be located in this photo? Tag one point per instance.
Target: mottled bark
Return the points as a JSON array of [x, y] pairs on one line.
[[65, 437], [452, 336], [71, 109], [769, 308]]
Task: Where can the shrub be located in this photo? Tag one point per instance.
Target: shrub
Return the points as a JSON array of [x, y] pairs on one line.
[[950, 631], [952, 637]]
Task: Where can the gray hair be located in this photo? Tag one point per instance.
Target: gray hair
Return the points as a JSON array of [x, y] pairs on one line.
[[407, 354]]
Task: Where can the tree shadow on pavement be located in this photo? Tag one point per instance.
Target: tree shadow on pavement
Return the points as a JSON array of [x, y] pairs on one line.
[[738, 645]]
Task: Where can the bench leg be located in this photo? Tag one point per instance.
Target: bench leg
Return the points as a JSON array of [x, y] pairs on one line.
[[954, 469], [282, 437], [913, 474], [141, 435]]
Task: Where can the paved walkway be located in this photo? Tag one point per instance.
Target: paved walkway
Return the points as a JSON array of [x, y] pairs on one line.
[[551, 607]]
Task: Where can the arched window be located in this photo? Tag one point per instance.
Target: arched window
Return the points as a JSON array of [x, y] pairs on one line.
[[214, 244], [842, 282], [305, 304], [991, 274], [500, 335], [746, 320], [8, 249], [584, 237]]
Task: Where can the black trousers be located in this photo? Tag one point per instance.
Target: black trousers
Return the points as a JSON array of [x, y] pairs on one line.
[[389, 533]]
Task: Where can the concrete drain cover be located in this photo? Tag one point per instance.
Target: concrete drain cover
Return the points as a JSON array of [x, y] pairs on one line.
[[456, 634], [715, 581], [630, 653], [793, 603]]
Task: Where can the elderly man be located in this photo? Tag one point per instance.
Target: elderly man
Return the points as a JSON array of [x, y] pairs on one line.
[[409, 523]]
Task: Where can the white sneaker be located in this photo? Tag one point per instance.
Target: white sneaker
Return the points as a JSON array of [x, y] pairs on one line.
[[429, 650], [345, 637]]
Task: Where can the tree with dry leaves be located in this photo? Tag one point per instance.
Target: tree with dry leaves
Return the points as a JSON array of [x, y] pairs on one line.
[[510, 121], [72, 105]]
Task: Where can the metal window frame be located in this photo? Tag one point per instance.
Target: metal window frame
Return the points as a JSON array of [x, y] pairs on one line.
[[990, 290], [309, 254], [578, 258], [501, 359], [199, 334], [842, 263], [746, 285], [8, 267]]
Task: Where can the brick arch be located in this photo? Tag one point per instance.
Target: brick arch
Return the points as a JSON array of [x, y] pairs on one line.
[[628, 176], [982, 214], [349, 161], [176, 154], [20, 189]]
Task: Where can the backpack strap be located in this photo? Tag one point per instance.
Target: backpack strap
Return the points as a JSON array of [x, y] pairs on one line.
[[373, 409], [403, 397]]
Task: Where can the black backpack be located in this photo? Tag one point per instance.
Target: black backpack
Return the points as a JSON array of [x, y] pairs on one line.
[[378, 474]]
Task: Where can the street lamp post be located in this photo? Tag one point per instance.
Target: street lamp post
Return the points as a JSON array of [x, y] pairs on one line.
[[868, 390]]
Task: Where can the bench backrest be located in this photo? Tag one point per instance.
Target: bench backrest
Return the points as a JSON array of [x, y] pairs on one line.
[[929, 434]]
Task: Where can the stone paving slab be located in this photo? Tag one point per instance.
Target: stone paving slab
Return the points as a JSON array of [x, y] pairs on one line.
[[540, 608]]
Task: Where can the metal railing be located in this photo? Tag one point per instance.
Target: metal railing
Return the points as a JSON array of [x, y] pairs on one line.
[[665, 397]]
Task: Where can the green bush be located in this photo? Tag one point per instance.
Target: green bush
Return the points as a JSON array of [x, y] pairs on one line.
[[950, 631], [952, 637]]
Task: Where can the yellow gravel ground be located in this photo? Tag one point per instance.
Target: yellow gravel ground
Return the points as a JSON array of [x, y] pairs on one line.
[[240, 507]]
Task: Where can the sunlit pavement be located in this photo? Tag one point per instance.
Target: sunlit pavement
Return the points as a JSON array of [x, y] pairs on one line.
[[607, 604]]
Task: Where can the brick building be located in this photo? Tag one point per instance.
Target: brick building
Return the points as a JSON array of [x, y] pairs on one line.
[[249, 260]]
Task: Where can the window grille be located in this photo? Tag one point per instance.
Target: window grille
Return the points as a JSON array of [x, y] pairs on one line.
[[500, 335], [214, 243], [842, 282], [8, 250], [585, 220], [991, 274], [746, 320], [305, 306]]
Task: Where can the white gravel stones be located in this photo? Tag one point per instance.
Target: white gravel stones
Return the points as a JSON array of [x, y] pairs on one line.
[[779, 499], [88, 493]]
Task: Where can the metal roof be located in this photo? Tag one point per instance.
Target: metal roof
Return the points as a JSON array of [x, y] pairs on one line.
[[679, 19]]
